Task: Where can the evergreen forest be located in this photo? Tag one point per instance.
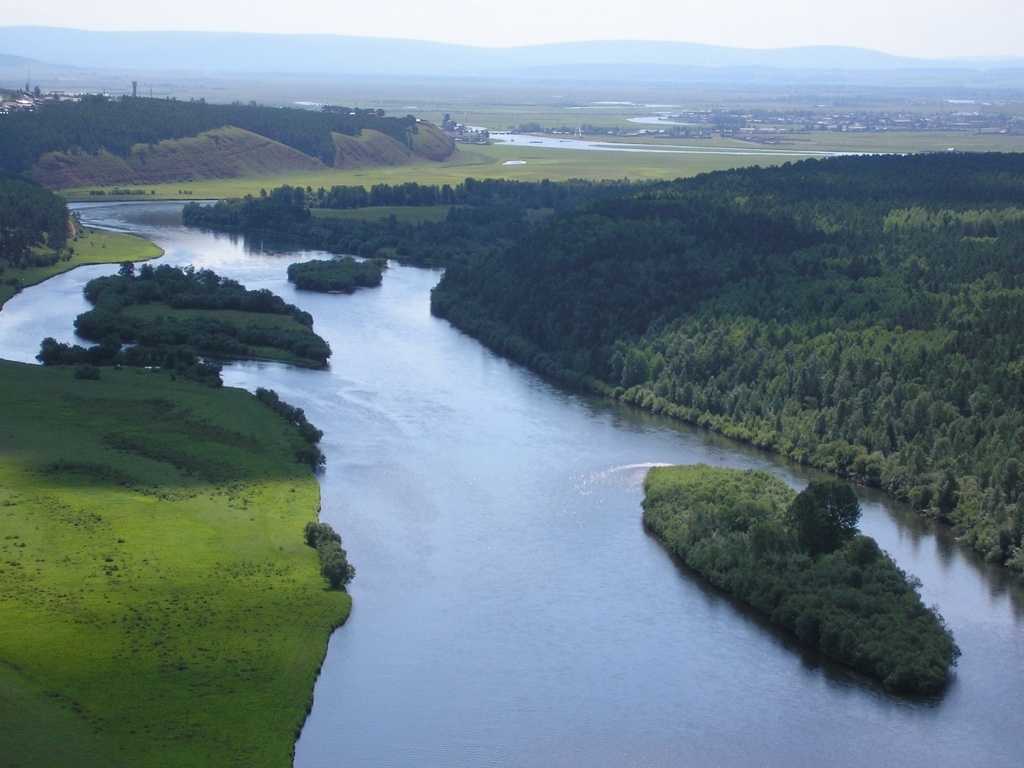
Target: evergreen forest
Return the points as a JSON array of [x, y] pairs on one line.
[[864, 315], [34, 224], [482, 216]]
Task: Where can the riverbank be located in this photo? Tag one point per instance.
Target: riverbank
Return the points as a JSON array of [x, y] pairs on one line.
[[89, 246], [160, 604]]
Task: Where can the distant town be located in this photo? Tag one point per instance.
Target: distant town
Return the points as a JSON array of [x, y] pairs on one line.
[[30, 98], [773, 126]]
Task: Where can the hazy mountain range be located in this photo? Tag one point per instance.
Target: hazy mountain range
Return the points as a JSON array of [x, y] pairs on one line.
[[228, 52]]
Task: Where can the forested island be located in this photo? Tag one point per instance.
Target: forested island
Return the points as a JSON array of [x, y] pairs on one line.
[[799, 560], [172, 317], [858, 314], [341, 275]]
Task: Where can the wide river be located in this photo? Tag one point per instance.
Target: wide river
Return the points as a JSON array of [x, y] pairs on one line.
[[510, 610]]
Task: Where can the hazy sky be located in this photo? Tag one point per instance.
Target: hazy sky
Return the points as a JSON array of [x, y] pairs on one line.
[[933, 29]]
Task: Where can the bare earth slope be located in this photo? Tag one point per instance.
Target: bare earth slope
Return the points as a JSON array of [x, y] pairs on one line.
[[219, 154], [373, 149], [370, 148]]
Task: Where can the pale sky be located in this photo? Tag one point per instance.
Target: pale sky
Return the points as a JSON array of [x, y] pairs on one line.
[[933, 29]]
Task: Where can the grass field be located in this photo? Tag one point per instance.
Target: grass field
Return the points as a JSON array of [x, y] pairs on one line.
[[159, 605], [92, 246]]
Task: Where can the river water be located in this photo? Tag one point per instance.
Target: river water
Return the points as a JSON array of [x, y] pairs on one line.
[[534, 141], [509, 609]]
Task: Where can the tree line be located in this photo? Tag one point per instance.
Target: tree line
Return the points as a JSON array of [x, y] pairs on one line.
[[308, 451], [34, 224], [864, 315], [483, 216]]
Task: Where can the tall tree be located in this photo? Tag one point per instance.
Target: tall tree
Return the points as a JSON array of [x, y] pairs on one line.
[[825, 516]]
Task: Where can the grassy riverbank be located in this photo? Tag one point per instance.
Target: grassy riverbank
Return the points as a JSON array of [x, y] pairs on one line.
[[90, 246], [160, 606]]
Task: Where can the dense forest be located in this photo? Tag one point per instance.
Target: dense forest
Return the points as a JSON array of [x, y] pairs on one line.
[[227, 325], [483, 216], [34, 224], [97, 123], [798, 559], [864, 315]]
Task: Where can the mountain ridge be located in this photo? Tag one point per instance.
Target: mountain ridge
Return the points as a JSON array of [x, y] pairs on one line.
[[339, 54]]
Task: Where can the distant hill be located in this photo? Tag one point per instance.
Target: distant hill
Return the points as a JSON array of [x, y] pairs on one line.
[[138, 141], [224, 153], [336, 54]]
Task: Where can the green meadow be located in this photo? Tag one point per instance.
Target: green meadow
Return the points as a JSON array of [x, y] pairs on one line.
[[160, 606]]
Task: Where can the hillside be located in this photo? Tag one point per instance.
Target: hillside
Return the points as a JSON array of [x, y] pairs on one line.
[[369, 149], [224, 153], [131, 141], [373, 149], [861, 314]]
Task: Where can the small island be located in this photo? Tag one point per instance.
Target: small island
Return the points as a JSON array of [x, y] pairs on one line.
[[342, 275], [799, 560]]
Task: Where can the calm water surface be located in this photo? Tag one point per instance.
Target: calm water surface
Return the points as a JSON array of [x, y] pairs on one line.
[[531, 141], [509, 608]]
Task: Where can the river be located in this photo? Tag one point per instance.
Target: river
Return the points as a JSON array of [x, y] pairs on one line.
[[535, 141], [509, 608]]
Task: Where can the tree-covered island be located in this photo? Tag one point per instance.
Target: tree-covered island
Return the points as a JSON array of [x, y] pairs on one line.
[[341, 275], [798, 560]]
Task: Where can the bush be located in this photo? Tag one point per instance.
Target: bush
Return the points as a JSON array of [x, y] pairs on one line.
[[334, 563]]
